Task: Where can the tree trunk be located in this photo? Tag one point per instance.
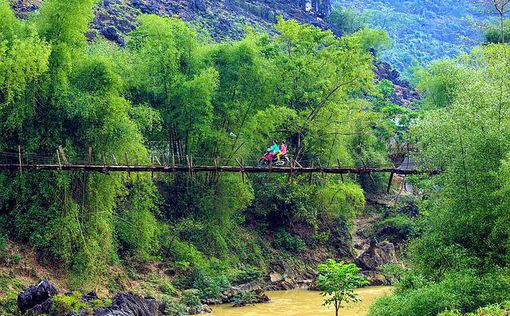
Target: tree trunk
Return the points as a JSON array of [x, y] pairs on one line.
[[502, 26]]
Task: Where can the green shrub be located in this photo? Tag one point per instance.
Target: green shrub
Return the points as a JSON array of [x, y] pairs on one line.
[[244, 298], [284, 240], [319, 239], [15, 259], [464, 291], [174, 309], [209, 286], [246, 275], [396, 226], [450, 313], [491, 310], [191, 299], [100, 303], [64, 304], [167, 288], [4, 247], [392, 272], [9, 289]]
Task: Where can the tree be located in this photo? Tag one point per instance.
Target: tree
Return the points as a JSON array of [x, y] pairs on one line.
[[337, 281], [346, 20], [501, 8], [493, 33]]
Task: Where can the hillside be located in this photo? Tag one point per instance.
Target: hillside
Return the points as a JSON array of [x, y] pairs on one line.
[[422, 31], [223, 19]]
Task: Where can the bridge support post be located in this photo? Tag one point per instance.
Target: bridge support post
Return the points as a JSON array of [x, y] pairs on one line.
[[311, 175], [339, 167], [216, 173], [291, 174], [152, 166], [389, 182], [240, 163]]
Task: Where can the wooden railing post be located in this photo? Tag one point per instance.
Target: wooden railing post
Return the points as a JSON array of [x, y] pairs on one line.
[[20, 161], [127, 164], [59, 162]]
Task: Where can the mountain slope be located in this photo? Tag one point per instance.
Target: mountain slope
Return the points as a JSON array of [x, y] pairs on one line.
[[224, 19], [421, 30]]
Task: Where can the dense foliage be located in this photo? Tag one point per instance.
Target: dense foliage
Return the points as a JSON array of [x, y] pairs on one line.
[[461, 260], [191, 97]]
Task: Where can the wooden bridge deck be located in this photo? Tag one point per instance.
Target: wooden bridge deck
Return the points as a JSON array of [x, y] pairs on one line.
[[221, 169]]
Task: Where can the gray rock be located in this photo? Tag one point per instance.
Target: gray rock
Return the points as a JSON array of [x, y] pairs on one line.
[[36, 295], [40, 309], [199, 5], [376, 255], [129, 304]]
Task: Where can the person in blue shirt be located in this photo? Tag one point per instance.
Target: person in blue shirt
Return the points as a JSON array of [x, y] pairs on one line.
[[274, 149]]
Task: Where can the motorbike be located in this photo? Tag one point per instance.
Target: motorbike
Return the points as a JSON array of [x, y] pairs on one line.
[[268, 159]]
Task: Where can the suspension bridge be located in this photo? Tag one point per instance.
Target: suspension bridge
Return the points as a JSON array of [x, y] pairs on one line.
[[169, 163]]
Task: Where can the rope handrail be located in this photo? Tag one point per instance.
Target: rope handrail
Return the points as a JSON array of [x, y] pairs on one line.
[[12, 161]]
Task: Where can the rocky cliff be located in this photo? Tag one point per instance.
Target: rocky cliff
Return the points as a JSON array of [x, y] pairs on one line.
[[222, 18]]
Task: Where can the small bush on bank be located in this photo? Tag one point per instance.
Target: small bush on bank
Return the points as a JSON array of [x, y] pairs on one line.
[[463, 291], [4, 247], [284, 240], [174, 309], [248, 274], [9, 288], [65, 304], [191, 299], [396, 227], [319, 239], [244, 298], [491, 310], [209, 286]]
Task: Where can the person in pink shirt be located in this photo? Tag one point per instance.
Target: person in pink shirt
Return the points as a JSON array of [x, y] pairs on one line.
[[283, 150]]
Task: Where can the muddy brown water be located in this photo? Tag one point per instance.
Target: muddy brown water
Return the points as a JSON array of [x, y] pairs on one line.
[[303, 303]]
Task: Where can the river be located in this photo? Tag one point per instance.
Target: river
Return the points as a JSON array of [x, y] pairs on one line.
[[303, 303]]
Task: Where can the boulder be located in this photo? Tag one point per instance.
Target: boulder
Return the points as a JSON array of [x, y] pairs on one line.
[[275, 277], [376, 255], [375, 278], [36, 295], [91, 296], [250, 297], [204, 309], [41, 309], [199, 5], [129, 304]]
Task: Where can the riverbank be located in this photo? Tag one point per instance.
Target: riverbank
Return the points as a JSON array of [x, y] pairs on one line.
[[303, 303]]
